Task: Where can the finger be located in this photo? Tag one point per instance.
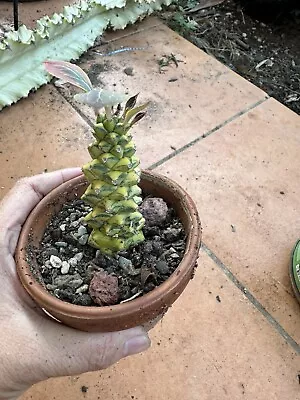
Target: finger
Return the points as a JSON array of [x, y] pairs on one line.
[[27, 192], [50, 350], [79, 352], [22, 198], [71, 352]]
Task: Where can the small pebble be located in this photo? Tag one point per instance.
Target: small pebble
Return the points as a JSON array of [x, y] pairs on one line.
[[147, 247], [74, 236], [104, 289], [61, 244], [73, 217], [65, 267], [56, 234], [174, 256], [75, 283], [50, 287], [90, 271], [127, 266], [98, 253], [62, 227], [162, 267], [172, 234], [169, 252], [124, 263], [83, 239], [180, 245], [74, 224], [154, 210], [56, 293], [82, 230], [83, 299], [75, 260], [100, 260], [66, 280], [78, 256], [82, 289], [157, 247], [55, 262], [128, 71]]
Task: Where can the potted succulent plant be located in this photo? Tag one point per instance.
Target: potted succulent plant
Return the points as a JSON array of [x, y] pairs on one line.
[[115, 247]]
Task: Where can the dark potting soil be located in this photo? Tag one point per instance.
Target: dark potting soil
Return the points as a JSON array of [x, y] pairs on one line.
[[75, 272], [258, 39]]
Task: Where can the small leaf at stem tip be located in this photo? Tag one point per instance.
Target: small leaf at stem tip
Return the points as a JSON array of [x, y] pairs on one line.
[[99, 98], [133, 111], [131, 102], [70, 73], [118, 110], [138, 117]]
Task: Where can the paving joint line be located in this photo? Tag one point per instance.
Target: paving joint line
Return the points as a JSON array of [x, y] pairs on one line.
[[272, 321], [181, 149], [217, 261], [208, 133], [128, 34]]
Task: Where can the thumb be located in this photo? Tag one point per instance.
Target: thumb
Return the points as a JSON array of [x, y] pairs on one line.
[[71, 352]]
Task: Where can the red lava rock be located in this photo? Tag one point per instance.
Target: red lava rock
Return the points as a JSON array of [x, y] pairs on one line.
[[154, 210], [104, 289]]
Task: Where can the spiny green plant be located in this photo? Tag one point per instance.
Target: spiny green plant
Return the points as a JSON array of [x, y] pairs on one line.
[[113, 174], [64, 36]]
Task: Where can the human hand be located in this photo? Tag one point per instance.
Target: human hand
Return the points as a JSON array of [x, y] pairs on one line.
[[33, 347]]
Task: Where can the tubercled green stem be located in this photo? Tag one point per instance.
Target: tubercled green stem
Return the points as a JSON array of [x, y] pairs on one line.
[[113, 176]]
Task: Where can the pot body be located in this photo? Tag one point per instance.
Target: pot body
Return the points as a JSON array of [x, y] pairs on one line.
[[139, 311]]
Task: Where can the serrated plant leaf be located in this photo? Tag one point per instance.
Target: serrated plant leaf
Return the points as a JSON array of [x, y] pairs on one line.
[[25, 34], [59, 37], [70, 73], [108, 4], [22, 35]]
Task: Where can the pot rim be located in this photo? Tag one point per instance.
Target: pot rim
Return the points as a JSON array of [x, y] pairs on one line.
[[46, 300]]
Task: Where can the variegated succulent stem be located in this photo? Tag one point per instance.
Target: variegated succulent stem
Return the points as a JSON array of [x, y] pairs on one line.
[[113, 175]]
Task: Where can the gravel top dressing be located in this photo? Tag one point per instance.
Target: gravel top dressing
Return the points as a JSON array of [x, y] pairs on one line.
[[73, 271]]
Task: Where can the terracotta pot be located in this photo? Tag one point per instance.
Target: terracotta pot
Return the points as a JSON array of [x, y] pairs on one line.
[[121, 316]]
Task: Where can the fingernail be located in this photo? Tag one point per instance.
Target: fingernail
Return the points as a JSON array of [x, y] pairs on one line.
[[136, 345]]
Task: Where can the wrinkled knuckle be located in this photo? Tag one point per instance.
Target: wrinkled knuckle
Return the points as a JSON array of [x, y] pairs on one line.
[[104, 354]]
